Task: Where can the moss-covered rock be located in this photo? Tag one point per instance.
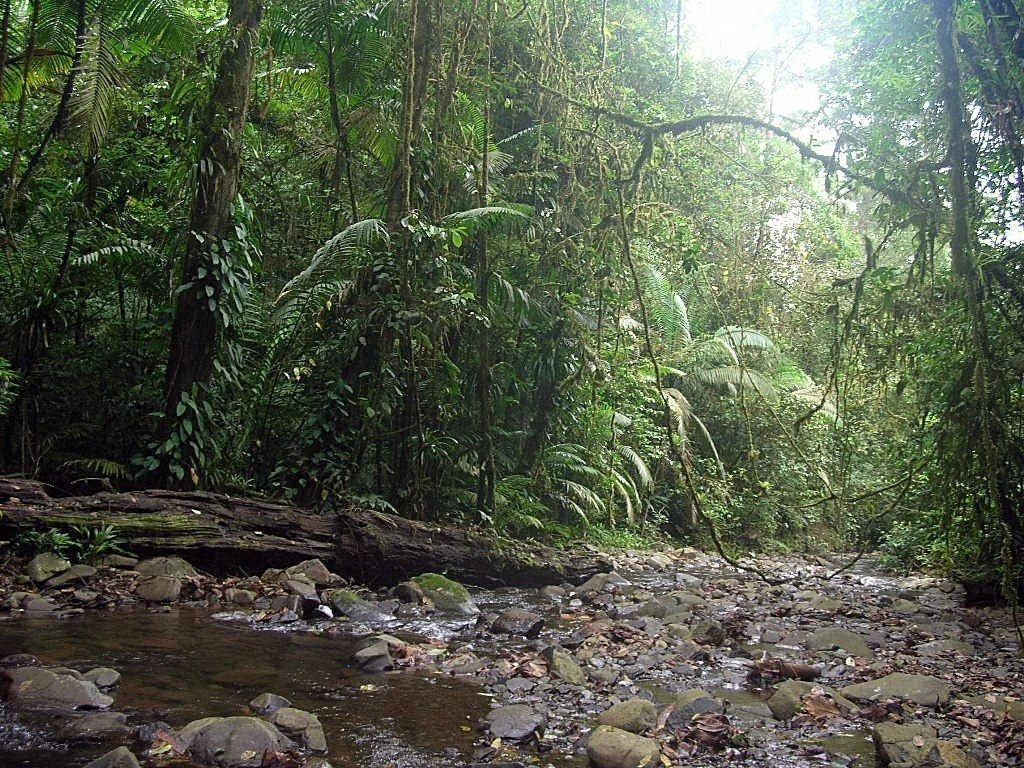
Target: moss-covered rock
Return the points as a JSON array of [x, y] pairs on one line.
[[446, 595]]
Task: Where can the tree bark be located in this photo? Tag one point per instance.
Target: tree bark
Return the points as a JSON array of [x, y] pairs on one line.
[[225, 534], [194, 334]]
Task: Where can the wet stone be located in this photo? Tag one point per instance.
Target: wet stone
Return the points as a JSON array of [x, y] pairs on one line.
[[95, 726], [103, 677], [303, 726], [268, 703], [121, 757], [239, 596], [43, 689], [515, 722], [517, 621], [232, 742]]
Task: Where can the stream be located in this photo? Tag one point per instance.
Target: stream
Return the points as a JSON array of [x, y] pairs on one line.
[[188, 662]]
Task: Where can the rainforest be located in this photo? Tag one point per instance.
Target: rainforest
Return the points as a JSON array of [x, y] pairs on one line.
[[601, 379]]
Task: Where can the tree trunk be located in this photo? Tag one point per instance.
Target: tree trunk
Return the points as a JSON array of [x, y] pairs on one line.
[[194, 334], [225, 534], [991, 446]]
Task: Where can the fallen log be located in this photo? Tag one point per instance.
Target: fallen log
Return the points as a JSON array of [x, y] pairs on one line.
[[230, 534]]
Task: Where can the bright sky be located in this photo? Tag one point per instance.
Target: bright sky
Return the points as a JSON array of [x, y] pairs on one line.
[[776, 37]]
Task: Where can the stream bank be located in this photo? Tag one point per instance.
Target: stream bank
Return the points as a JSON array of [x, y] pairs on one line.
[[710, 667]]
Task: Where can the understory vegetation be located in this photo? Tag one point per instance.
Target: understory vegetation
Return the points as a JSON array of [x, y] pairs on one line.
[[532, 265]]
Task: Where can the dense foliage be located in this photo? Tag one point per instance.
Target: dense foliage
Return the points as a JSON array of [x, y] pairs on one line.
[[526, 264]]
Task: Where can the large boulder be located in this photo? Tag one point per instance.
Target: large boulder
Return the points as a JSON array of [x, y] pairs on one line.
[[633, 715], [121, 757], [446, 595], [609, 747], [166, 566], [232, 742], [46, 565], [515, 722], [42, 689], [920, 689]]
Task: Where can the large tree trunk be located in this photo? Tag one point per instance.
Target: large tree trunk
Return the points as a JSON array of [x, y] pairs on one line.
[[194, 335], [226, 534]]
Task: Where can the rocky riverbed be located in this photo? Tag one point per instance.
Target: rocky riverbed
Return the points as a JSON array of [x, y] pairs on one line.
[[674, 659]]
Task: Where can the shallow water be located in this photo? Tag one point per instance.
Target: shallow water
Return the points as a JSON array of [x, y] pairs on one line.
[[181, 666]]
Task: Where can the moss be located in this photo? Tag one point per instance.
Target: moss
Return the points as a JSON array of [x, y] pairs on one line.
[[344, 597], [446, 594]]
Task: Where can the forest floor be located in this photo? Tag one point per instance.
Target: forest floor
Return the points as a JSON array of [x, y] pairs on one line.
[[706, 665]]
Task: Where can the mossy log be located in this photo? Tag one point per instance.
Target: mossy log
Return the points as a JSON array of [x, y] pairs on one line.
[[231, 534]]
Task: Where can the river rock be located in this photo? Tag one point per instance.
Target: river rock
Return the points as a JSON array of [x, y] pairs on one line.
[[346, 602], [315, 571], [119, 561], [709, 632], [954, 757], [302, 587], [920, 689], [603, 582], [832, 638], [268, 703], [447, 595], [39, 605], [410, 592], [518, 621], [373, 654], [20, 660], [232, 742], [42, 689], [944, 646], [74, 573], [633, 715], [905, 745], [95, 726], [561, 664], [305, 726], [121, 757], [788, 698], [45, 565], [515, 722], [693, 702], [609, 747], [239, 596], [159, 589], [166, 566], [103, 677]]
